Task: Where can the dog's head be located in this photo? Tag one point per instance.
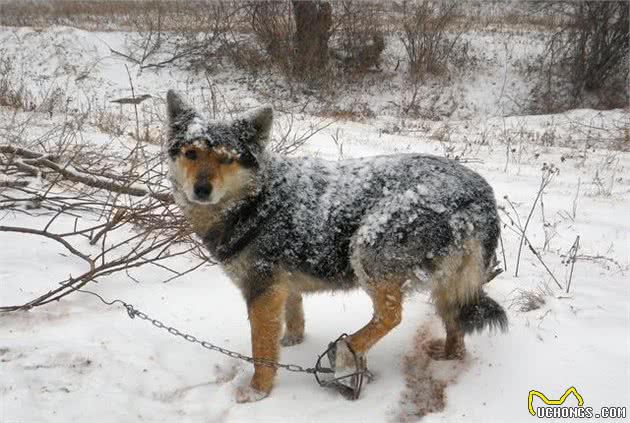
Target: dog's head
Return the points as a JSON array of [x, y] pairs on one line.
[[214, 161]]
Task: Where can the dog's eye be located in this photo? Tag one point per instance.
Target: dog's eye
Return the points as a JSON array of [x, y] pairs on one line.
[[190, 154], [226, 159]]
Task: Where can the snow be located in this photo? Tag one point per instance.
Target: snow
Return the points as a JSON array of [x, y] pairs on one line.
[[81, 360]]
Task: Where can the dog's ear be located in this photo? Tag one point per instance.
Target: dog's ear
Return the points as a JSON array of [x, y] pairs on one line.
[[179, 115], [176, 107], [261, 120]]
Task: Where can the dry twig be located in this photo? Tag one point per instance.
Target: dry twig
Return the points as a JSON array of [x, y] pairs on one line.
[[124, 212]]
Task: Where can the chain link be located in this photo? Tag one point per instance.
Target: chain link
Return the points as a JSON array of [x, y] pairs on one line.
[[348, 385], [133, 313]]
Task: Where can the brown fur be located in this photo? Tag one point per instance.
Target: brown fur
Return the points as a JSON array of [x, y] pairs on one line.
[[387, 302], [210, 164], [294, 318], [265, 317], [227, 178]]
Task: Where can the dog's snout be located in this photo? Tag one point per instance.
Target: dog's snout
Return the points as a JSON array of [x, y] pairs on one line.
[[202, 190]]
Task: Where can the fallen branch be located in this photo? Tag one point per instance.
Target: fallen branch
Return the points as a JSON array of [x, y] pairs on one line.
[[33, 163], [130, 206], [55, 237]]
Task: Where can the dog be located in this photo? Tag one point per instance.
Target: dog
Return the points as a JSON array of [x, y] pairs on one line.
[[281, 227]]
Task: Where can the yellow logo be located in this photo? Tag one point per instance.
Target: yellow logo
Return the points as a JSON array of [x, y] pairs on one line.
[[547, 401]]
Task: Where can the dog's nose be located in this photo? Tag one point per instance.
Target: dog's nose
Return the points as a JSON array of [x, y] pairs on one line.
[[202, 191]]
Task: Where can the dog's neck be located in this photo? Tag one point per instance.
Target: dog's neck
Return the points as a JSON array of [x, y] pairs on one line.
[[228, 227], [201, 217], [240, 224]]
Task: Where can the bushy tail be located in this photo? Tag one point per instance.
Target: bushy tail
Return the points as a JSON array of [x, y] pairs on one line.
[[484, 313]]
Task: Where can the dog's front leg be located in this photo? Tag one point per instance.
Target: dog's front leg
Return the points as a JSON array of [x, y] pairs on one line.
[[265, 317]]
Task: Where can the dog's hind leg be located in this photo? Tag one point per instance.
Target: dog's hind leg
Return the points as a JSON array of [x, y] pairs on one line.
[[451, 348], [387, 300], [456, 282], [294, 320]]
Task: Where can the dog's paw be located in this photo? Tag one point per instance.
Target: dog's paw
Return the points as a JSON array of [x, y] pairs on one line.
[[248, 394], [344, 361], [436, 349], [290, 340]]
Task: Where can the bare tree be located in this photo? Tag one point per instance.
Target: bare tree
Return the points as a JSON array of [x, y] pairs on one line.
[[585, 62]]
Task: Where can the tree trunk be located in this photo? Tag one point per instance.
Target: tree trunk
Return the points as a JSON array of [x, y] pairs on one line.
[[313, 20]]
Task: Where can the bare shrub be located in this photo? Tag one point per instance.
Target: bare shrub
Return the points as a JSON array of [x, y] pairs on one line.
[[359, 35], [198, 35], [585, 62], [210, 33], [109, 122], [294, 34], [14, 93], [273, 26], [432, 41], [529, 300], [17, 94], [290, 138], [606, 175], [149, 31], [429, 46]]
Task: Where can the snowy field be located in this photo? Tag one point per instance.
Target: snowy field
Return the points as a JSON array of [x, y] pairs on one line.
[[80, 360]]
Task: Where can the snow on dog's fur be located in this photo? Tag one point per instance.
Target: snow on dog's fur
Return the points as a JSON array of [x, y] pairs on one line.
[[281, 227]]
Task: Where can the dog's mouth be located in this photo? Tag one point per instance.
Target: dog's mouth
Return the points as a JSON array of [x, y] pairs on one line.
[[194, 199], [204, 200]]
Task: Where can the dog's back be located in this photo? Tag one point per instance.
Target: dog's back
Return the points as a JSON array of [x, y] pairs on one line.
[[404, 213]]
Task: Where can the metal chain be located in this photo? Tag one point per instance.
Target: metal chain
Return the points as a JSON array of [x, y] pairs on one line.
[[351, 390], [133, 313]]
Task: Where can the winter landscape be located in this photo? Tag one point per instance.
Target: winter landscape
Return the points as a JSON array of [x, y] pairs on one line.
[[85, 205]]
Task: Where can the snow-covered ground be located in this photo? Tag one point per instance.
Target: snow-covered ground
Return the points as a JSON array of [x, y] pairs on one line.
[[79, 360]]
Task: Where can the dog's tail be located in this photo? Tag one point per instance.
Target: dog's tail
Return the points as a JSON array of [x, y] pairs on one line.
[[485, 313], [459, 295]]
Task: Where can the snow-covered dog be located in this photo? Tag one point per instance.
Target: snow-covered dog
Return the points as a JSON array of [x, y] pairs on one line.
[[281, 227]]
